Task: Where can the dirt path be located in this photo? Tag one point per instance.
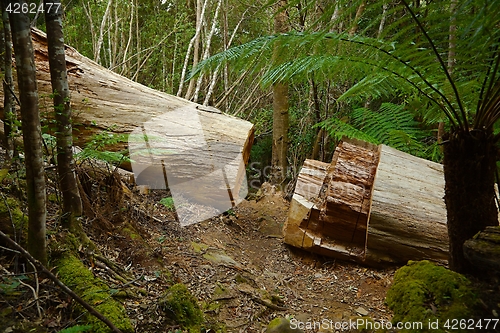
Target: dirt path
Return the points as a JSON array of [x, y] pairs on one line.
[[239, 268]]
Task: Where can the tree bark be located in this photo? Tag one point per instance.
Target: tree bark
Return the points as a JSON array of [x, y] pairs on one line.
[[72, 205], [206, 52], [280, 110], [32, 138], [192, 43], [469, 170], [9, 106], [97, 51]]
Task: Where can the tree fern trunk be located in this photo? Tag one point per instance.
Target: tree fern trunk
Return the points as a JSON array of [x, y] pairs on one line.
[[469, 169]]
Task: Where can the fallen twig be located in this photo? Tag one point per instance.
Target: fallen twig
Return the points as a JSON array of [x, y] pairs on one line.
[[262, 302], [58, 282]]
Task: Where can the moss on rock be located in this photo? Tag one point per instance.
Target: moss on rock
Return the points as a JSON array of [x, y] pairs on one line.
[[281, 325], [423, 291], [95, 292], [182, 307]]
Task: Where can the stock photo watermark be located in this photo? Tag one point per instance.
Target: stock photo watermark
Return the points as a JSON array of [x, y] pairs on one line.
[[415, 326]]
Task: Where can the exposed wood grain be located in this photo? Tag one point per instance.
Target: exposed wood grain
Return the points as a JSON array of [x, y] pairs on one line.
[[408, 215], [376, 206]]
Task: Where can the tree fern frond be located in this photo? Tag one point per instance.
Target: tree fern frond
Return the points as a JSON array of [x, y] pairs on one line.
[[340, 129]]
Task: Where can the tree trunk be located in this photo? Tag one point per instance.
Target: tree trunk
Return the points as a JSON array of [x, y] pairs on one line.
[[100, 40], [192, 43], [469, 170], [28, 95], [359, 12], [206, 52], [200, 18], [280, 110], [9, 107], [482, 251], [72, 205]]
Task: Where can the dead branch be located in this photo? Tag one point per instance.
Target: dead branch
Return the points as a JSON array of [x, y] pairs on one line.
[[262, 302], [58, 282]]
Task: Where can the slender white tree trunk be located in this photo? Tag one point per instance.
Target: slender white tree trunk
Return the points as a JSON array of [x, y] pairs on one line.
[[216, 72], [97, 50], [382, 20], [125, 69], [88, 13], [190, 47], [206, 52]]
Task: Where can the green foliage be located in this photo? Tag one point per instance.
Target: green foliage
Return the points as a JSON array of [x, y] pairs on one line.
[[182, 307], [76, 329], [95, 148], [423, 291], [168, 202], [403, 59], [393, 125], [9, 285]]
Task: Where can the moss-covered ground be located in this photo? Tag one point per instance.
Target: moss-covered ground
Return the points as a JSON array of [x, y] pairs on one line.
[[95, 292]]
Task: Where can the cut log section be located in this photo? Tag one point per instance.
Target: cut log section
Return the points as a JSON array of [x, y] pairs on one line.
[[371, 204], [198, 150]]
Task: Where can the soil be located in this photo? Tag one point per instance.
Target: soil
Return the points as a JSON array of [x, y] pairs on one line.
[[239, 268], [236, 265]]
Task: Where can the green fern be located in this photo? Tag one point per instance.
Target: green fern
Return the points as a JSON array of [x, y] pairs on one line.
[[76, 329], [168, 202], [392, 125], [96, 148]]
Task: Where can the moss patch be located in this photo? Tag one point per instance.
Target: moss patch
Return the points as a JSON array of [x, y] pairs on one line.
[[423, 291], [199, 247], [10, 206], [129, 231], [95, 292], [182, 307]]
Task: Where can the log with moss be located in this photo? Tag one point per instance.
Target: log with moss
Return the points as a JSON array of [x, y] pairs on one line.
[[371, 204]]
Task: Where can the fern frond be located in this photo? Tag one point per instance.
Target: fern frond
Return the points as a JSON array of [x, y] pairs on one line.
[[340, 129]]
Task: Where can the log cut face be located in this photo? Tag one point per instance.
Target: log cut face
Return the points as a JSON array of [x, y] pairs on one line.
[[371, 204], [350, 184], [198, 151], [305, 206]]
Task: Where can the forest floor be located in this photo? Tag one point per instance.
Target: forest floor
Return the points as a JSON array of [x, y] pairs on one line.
[[239, 268], [235, 264]]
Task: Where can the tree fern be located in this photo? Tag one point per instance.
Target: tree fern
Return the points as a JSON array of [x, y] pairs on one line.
[[392, 125]]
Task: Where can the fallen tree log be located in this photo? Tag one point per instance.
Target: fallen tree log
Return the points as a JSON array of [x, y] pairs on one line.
[[197, 151], [371, 204]]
